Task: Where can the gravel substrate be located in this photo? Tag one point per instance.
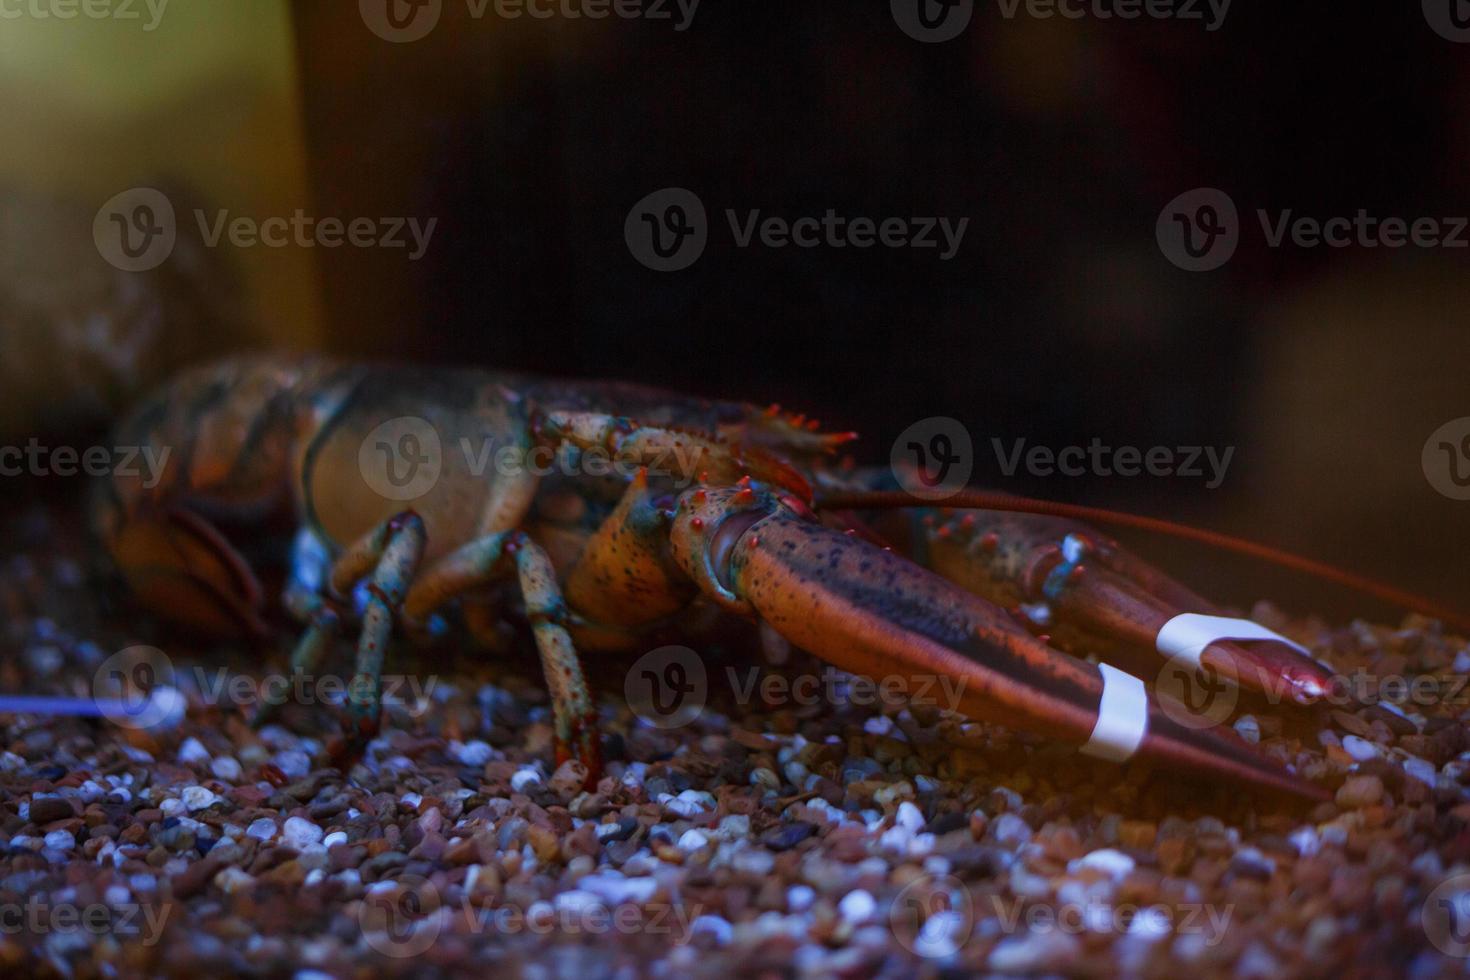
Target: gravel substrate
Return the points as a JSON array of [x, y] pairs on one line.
[[825, 839]]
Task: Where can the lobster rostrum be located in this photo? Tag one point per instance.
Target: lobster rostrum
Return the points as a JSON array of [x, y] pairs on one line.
[[267, 465]]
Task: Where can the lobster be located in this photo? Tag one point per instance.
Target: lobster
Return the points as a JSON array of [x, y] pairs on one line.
[[274, 457]]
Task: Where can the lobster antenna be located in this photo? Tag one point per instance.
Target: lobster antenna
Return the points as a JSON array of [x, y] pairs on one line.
[[986, 500]]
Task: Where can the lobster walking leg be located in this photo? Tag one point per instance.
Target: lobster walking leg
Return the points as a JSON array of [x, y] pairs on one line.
[[480, 563], [392, 551]]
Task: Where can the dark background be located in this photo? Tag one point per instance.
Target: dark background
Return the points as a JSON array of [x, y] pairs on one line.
[[1059, 319]]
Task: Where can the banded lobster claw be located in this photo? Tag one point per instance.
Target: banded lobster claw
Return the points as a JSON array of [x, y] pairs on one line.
[[874, 613], [1088, 593]]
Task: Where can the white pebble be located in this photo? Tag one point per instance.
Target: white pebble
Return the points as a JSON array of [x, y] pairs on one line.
[[799, 898], [199, 798], [472, 753], [193, 751], [878, 725], [1010, 830], [618, 890], [689, 803], [1115, 864], [61, 840], [754, 862], [857, 906], [226, 767], [411, 800], [577, 900], [1421, 769], [693, 840], [1305, 840], [909, 817], [1359, 748], [293, 763], [300, 832], [334, 838], [171, 807], [262, 829], [524, 779], [1248, 728], [715, 926]]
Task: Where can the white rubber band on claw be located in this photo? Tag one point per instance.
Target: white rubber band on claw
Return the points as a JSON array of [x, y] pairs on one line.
[[1122, 717], [1186, 635]]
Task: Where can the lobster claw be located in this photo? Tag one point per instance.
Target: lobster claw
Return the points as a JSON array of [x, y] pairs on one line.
[[1087, 593], [875, 613], [180, 566]]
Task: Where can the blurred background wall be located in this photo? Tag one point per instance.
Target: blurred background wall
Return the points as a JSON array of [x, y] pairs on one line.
[[1061, 140]]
